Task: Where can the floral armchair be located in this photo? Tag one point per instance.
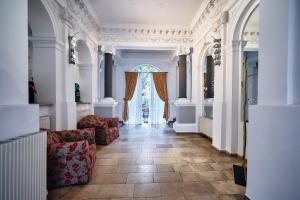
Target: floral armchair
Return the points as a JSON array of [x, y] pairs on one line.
[[107, 129], [71, 156]]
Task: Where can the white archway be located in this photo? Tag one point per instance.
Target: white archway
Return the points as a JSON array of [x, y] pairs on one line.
[[234, 61], [44, 55], [204, 123]]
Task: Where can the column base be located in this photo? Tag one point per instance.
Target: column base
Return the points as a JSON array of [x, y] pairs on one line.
[[17, 120], [185, 116], [219, 125], [106, 108], [185, 128]]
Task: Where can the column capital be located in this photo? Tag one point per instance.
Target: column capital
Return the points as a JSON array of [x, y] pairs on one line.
[[108, 49], [182, 50], [236, 45]]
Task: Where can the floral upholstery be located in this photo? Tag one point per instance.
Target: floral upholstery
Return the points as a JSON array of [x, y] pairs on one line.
[[71, 156], [107, 129]]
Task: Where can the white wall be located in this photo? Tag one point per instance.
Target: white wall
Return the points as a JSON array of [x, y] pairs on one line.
[[14, 72], [14, 52], [273, 153]]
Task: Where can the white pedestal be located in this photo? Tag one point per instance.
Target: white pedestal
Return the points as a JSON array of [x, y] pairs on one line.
[[106, 108], [185, 116]]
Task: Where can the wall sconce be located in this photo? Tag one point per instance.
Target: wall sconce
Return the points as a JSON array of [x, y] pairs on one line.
[[72, 50], [217, 52]]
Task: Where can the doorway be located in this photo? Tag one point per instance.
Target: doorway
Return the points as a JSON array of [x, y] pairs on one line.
[[146, 107]]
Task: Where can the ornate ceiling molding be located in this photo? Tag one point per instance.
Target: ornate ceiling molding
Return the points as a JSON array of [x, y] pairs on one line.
[[210, 14], [138, 34], [76, 13]]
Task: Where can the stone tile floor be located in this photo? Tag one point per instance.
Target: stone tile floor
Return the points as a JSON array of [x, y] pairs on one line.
[[155, 163]]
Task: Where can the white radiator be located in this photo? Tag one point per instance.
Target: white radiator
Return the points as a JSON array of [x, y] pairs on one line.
[[23, 168]]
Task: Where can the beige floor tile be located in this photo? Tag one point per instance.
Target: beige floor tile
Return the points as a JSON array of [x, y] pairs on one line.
[[202, 197], [126, 161], [171, 189], [212, 176], [167, 177], [106, 161], [203, 167], [228, 187], [127, 169], [164, 160], [229, 174], [223, 166], [144, 161], [198, 188], [147, 168], [165, 168], [140, 178], [105, 169], [101, 191], [190, 177], [183, 168], [109, 179], [147, 190]]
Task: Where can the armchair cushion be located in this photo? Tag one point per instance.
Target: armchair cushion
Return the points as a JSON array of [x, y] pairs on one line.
[[78, 135], [67, 149], [112, 122], [107, 129], [52, 137], [71, 159]]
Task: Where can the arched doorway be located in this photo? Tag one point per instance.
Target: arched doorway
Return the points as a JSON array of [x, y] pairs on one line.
[[83, 79], [42, 56], [244, 37], [146, 107], [205, 91]]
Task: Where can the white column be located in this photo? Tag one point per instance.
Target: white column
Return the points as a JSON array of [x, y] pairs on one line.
[[68, 105], [17, 116], [185, 108], [106, 107], [219, 104], [273, 139]]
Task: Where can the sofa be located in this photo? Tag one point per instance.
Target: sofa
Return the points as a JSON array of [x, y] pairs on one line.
[[71, 156], [106, 129]]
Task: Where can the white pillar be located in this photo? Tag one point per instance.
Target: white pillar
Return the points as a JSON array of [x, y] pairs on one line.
[[219, 104], [273, 139], [17, 116], [107, 107], [185, 108], [68, 105]]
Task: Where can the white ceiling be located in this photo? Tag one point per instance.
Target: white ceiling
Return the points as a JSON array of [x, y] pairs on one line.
[[144, 12]]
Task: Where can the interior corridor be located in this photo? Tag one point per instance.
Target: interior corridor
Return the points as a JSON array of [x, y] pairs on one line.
[[154, 162]]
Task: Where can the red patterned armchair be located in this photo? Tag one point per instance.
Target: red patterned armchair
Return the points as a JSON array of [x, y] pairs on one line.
[[71, 156], [107, 129]]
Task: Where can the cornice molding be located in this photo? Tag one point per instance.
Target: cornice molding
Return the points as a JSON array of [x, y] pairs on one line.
[[211, 11], [144, 34], [77, 15]]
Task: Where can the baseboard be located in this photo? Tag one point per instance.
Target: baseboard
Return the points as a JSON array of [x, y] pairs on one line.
[[227, 152], [206, 136]]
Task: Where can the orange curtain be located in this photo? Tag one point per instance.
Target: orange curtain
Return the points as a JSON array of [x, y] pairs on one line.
[[160, 81], [130, 84]]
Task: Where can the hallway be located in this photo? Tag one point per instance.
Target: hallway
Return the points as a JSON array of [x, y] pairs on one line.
[[154, 162]]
